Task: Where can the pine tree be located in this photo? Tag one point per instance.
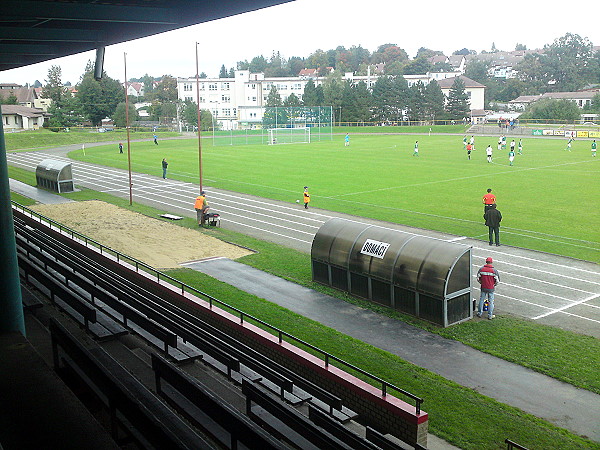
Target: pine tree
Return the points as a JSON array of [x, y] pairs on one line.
[[434, 101], [458, 101]]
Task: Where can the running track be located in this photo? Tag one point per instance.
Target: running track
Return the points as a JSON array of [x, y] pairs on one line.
[[546, 288]]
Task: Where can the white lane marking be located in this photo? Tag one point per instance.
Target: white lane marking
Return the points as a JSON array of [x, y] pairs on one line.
[[563, 308], [268, 231]]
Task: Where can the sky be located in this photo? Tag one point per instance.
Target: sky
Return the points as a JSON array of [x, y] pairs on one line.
[[303, 26]]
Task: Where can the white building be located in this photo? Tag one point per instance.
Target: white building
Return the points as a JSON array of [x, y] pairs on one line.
[[17, 117], [233, 101]]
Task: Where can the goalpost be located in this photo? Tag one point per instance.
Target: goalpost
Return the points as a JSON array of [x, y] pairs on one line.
[[298, 135]]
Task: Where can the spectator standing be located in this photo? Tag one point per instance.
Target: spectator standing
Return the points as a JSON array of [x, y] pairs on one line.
[[120, 147], [488, 277], [165, 164], [306, 196], [493, 217], [201, 207]]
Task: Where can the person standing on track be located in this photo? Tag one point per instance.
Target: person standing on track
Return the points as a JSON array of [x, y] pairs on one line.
[[165, 164], [201, 207], [488, 278], [306, 197], [492, 220]]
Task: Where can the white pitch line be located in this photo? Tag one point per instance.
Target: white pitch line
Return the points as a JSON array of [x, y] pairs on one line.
[[460, 238], [562, 308]]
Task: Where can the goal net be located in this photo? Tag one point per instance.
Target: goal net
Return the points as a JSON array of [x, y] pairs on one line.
[[299, 135]]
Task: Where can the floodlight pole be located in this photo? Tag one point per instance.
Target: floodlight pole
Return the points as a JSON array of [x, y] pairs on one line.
[[127, 128], [199, 122]]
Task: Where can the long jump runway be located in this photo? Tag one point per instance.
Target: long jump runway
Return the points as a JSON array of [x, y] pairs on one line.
[[546, 288]]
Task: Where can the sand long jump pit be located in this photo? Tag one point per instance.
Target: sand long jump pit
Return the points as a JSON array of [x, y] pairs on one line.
[[159, 244]]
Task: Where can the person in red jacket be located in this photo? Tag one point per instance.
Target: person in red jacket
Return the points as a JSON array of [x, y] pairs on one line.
[[488, 278]]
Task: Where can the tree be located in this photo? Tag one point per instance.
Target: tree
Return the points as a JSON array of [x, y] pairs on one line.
[[427, 53], [231, 72], [312, 96], [223, 72], [416, 101], [464, 51], [295, 65], [274, 99], [568, 59], [98, 99], [189, 116], [258, 64], [417, 66], [120, 118], [11, 99], [458, 100], [66, 114], [292, 101], [54, 89], [520, 47], [390, 98], [166, 89], [553, 110], [37, 84], [434, 101], [148, 83], [332, 90]]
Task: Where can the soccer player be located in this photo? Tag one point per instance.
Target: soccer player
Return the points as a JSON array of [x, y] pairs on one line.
[[416, 152], [511, 156], [569, 144], [472, 141], [500, 143], [465, 143], [503, 142], [155, 139], [594, 148], [520, 147], [512, 146], [469, 148], [488, 152], [347, 140]]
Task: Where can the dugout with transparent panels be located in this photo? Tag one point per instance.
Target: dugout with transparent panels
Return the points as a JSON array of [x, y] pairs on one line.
[[55, 176], [426, 277]]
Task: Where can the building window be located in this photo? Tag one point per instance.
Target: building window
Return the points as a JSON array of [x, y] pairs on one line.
[[187, 87], [253, 86], [201, 86], [212, 87], [225, 98], [253, 99], [189, 99], [225, 86], [226, 112]]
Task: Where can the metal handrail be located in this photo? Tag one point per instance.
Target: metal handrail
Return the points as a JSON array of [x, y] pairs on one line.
[[512, 445], [211, 300]]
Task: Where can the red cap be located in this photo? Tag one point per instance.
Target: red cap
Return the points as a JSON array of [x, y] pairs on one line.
[[488, 260]]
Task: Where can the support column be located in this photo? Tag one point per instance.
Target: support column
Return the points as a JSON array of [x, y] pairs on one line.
[[11, 307]]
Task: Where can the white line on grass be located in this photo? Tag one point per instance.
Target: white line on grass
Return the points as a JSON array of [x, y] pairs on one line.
[[267, 231]]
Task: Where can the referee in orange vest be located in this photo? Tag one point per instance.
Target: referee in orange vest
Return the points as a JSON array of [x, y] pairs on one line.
[[489, 199], [306, 196]]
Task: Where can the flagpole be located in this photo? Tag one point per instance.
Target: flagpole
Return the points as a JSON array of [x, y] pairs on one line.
[[127, 129], [199, 122]]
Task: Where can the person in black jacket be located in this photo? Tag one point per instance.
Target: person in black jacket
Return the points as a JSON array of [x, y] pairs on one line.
[[492, 220]]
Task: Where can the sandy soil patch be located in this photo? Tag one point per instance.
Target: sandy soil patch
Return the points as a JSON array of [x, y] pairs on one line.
[[155, 242]]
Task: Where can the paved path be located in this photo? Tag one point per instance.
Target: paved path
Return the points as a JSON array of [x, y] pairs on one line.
[[559, 403], [549, 289]]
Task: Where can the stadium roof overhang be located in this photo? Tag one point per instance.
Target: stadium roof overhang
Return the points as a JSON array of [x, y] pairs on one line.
[[42, 30]]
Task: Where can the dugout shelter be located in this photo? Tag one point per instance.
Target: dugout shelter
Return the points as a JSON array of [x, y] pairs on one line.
[[425, 277], [55, 176]]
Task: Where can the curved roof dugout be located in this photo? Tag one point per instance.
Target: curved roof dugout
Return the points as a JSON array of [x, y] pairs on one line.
[[419, 263]]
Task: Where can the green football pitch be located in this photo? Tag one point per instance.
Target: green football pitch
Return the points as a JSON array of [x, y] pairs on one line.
[[547, 198]]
